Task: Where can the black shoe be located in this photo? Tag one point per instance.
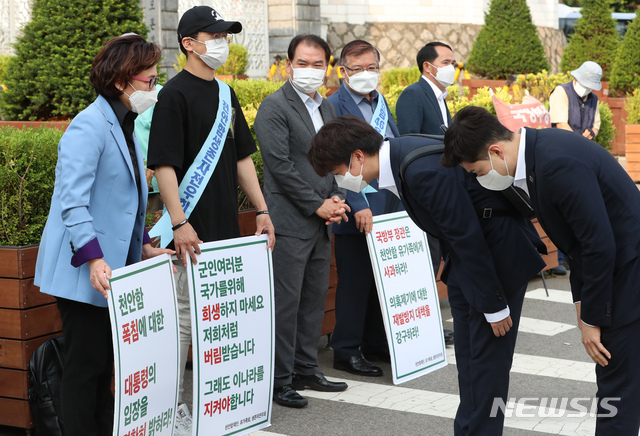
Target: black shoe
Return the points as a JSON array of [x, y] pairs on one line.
[[288, 397], [448, 336], [560, 270], [316, 382], [358, 365], [377, 356]]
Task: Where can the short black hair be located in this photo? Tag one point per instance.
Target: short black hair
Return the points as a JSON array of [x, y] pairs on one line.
[[470, 134], [428, 53], [338, 139], [308, 39]]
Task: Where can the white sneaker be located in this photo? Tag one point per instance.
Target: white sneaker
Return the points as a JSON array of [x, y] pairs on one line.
[[184, 423]]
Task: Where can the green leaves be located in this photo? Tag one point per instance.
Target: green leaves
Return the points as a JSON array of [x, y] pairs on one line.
[[27, 161], [595, 39], [48, 79], [508, 43], [625, 76]]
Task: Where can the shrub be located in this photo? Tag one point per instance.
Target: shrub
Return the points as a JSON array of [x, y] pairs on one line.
[[595, 39], [625, 76], [237, 61], [508, 43], [252, 92], [236, 64], [27, 173], [540, 85], [607, 129], [398, 77], [48, 77], [633, 108], [4, 66]]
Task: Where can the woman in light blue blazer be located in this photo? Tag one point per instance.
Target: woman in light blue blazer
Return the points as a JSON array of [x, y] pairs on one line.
[[96, 223]]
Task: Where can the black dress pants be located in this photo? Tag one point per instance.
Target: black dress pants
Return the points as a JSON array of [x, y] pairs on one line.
[[86, 398]]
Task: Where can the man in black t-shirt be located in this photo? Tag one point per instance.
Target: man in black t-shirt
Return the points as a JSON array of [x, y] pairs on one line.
[[183, 117]]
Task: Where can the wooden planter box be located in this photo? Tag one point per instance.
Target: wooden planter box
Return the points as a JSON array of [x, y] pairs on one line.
[[632, 144], [27, 319], [475, 84]]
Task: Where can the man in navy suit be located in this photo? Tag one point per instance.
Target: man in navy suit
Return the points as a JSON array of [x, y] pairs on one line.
[[491, 252], [359, 334], [594, 220], [421, 107]]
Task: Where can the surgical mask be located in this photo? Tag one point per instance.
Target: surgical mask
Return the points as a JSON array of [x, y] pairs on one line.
[[307, 80], [363, 82], [445, 75], [216, 54], [141, 100], [581, 90], [495, 181], [351, 182]]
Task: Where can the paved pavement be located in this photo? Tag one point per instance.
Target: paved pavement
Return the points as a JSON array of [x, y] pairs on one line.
[[550, 362]]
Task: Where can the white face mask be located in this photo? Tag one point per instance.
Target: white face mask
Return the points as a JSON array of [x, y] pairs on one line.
[[581, 90], [351, 182], [307, 80], [363, 82], [216, 54], [445, 75], [493, 180], [140, 101]]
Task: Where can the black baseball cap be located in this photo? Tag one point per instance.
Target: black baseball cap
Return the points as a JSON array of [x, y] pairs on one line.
[[204, 19]]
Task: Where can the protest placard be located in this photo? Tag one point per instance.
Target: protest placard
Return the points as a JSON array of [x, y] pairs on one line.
[[231, 292], [146, 346], [408, 296]]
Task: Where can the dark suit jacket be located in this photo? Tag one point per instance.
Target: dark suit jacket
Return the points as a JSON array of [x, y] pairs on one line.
[[489, 259], [418, 111], [292, 190], [590, 209], [379, 202]]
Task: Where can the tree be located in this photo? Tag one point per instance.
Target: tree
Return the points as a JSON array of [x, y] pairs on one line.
[[508, 43], [49, 76], [625, 76], [595, 39]]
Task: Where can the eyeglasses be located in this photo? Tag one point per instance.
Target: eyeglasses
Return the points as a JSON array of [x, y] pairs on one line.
[[219, 38], [152, 81], [359, 69]]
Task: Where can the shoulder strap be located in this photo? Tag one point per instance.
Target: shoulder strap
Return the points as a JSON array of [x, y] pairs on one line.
[[418, 152]]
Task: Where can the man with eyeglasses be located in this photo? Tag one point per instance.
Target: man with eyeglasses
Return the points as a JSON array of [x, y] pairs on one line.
[[191, 111], [359, 337]]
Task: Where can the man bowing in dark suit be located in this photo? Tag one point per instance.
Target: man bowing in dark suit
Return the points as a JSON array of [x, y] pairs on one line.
[[594, 220], [359, 334], [490, 250]]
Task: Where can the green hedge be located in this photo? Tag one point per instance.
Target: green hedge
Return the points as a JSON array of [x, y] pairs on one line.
[[27, 173]]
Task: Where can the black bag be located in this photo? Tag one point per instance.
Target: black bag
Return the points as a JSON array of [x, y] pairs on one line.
[[45, 376]]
